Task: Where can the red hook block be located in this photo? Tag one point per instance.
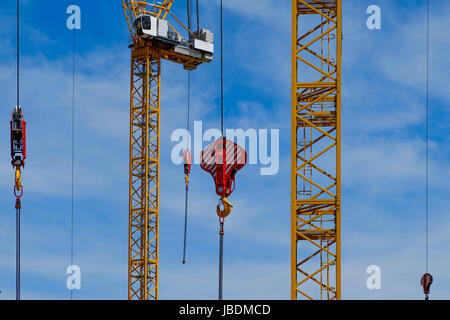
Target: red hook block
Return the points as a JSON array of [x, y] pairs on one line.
[[426, 281], [223, 159]]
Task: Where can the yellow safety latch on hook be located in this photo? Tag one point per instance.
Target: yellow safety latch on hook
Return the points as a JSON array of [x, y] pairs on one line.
[[225, 212], [18, 180]]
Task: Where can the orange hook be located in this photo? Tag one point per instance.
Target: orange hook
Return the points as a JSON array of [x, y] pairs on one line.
[[224, 208], [18, 179]]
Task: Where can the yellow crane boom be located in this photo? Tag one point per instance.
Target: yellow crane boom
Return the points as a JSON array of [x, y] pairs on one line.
[[156, 34], [316, 134]]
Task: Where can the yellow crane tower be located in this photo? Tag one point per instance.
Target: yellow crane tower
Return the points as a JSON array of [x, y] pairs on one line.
[[316, 141], [156, 34]]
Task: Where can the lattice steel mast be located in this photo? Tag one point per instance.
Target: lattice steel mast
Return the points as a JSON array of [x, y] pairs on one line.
[[316, 145], [153, 38]]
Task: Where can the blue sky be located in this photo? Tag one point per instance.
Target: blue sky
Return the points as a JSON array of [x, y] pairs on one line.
[[383, 153]]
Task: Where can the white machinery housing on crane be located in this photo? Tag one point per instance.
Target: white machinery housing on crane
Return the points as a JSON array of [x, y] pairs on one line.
[[204, 41], [150, 27]]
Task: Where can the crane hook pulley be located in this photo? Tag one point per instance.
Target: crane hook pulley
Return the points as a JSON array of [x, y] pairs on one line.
[[18, 146], [223, 159], [426, 281], [187, 160]]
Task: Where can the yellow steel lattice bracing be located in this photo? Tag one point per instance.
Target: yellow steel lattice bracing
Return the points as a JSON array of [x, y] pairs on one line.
[[144, 176], [145, 106], [316, 156]]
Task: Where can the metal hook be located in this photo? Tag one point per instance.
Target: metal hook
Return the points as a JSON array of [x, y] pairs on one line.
[[18, 180], [225, 212]]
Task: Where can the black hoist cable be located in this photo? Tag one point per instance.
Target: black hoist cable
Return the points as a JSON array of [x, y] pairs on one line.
[[73, 156], [18, 203], [189, 14], [185, 223], [188, 129], [189, 17], [221, 232], [427, 279], [427, 128], [198, 18], [221, 68], [18, 208], [186, 172], [18, 55]]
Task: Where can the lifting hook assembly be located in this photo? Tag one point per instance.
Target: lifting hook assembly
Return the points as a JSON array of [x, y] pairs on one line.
[[18, 147], [426, 281], [223, 159], [187, 160]]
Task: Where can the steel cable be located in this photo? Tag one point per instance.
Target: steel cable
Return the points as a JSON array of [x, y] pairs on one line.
[[222, 129], [73, 157], [185, 225], [221, 67], [198, 18], [221, 262], [427, 137], [188, 129], [18, 200], [427, 279]]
